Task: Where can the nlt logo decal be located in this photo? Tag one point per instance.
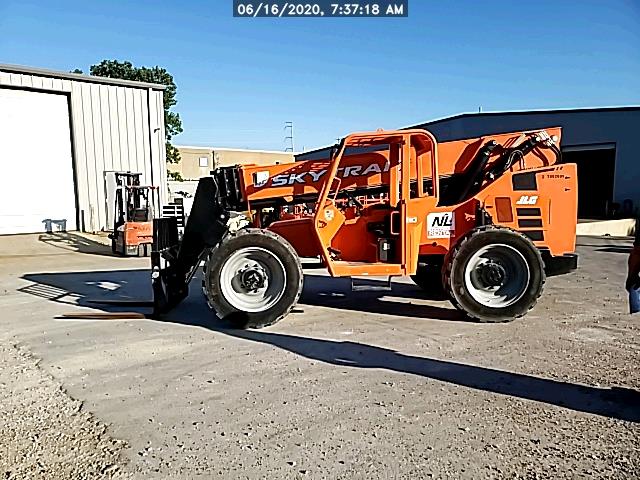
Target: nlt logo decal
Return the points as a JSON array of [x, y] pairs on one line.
[[440, 225]]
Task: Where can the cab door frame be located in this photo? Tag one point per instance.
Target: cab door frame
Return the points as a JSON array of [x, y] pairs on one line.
[[403, 148]]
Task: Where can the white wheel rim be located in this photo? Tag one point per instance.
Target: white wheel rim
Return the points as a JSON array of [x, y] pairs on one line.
[[497, 276], [252, 279]]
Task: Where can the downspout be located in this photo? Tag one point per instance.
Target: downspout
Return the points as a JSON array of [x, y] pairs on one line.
[[149, 91], [151, 132]]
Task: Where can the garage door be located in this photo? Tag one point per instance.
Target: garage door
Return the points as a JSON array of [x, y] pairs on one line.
[[596, 173], [36, 169]]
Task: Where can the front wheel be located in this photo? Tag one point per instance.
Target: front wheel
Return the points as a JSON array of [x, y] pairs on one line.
[[253, 278], [494, 274]]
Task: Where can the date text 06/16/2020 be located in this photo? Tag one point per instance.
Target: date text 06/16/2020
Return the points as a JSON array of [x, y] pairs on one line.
[[325, 8]]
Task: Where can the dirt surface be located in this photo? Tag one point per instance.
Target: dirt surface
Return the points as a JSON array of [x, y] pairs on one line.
[[45, 433], [353, 385]]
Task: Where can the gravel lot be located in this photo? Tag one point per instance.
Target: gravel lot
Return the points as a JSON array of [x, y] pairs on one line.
[[353, 385], [45, 433]]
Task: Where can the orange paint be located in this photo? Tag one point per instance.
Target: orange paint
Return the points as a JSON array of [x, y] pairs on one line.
[[399, 176]]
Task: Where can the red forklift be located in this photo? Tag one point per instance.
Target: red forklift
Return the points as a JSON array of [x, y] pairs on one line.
[[134, 212]]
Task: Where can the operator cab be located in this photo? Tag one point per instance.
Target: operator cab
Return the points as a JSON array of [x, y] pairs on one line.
[[362, 222]]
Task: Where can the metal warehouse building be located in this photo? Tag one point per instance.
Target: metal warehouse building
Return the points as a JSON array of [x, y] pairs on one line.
[[62, 134], [601, 141]]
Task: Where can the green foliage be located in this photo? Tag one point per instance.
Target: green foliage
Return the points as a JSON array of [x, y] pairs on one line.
[[126, 71], [76, 70], [173, 155], [175, 176]]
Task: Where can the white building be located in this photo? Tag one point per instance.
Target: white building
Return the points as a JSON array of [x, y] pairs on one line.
[[60, 135]]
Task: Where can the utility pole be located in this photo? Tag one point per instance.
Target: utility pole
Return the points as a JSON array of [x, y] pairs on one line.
[[288, 139]]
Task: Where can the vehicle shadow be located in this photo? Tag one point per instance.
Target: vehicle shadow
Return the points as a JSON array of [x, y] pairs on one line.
[[131, 286], [75, 243], [87, 288], [619, 403], [82, 288], [621, 249], [400, 300]]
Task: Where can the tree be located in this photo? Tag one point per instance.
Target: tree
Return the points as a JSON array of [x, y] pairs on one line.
[[126, 71]]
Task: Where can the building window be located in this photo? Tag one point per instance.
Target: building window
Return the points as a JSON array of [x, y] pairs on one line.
[[204, 162]]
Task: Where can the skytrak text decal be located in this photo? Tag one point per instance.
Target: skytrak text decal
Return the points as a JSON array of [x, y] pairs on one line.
[[311, 176]]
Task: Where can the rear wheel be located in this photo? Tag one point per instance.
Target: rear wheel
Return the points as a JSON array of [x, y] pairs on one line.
[[494, 274], [253, 278]]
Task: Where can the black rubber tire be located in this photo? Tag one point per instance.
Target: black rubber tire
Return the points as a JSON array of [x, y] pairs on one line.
[[457, 259], [252, 237], [429, 277]]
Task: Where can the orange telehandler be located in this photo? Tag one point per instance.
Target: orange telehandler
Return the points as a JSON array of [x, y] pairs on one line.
[[484, 219]]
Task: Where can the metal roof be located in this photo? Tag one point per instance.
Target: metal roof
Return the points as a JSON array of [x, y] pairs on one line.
[[631, 108], [247, 150], [77, 77], [529, 112]]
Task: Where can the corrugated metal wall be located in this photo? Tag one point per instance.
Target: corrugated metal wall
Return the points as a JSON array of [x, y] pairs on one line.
[[113, 128]]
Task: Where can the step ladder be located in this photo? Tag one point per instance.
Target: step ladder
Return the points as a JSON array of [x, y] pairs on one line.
[[371, 284]]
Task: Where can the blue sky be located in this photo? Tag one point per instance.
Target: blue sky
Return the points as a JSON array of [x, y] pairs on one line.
[[240, 79]]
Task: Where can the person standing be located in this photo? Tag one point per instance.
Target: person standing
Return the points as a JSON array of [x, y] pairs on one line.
[[633, 274]]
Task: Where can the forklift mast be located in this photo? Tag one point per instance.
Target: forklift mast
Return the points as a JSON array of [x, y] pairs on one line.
[[135, 210]]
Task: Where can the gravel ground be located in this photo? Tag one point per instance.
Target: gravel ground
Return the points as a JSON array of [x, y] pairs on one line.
[[45, 433], [355, 385]]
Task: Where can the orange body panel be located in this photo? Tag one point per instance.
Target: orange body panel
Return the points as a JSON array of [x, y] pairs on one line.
[[370, 168], [402, 174], [138, 233], [299, 233], [550, 208]]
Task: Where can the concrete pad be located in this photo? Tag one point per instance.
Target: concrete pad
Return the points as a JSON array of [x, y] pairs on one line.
[[615, 228], [352, 385]]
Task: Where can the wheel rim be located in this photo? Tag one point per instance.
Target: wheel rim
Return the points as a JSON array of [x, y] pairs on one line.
[[497, 276], [252, 279]]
